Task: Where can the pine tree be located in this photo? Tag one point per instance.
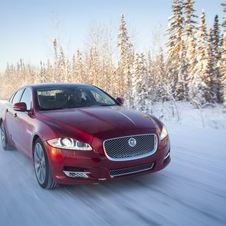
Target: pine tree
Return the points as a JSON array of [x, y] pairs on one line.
[[126, 58], [212, 79], [199, 91], [182, 84], [216, 37], [50, 71], [55, 49], [191, 58], [190, 18], [140, 83], [224, 11], [175, 46], [10, 74], [188, 55], [60, 63], [78, 71], [62, 74], [223, 67], [42, 74], [223, 57], [158, 77], [93, 66], [68, 71], [216, 59]]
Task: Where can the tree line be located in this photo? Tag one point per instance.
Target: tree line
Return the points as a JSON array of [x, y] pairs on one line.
[[190, 67]]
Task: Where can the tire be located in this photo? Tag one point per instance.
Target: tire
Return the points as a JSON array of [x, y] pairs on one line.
[[41, 166], [3, 136]]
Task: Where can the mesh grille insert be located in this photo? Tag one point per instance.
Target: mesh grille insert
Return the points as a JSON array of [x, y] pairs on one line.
[[130, 147]]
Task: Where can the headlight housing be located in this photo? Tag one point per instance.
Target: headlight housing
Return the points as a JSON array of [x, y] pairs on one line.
[[164, 133], [69, 143]]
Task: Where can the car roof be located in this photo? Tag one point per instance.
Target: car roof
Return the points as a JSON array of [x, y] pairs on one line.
[[55, 85]]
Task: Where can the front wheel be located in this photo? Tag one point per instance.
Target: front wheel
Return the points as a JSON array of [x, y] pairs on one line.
[[41, 167], [4, 140]]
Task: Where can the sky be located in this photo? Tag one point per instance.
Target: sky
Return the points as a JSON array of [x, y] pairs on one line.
[[27, 27]]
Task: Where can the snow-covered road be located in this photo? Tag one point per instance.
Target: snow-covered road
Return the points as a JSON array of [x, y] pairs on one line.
[[190, 191]]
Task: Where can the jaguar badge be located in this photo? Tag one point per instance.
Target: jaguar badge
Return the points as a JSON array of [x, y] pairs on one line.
[[132, 142]]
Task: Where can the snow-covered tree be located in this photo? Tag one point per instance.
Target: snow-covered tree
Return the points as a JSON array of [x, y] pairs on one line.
[[182, 84], [191, 57], [157, 76], [188, 55], [55, 49], [198, 86], [92, 66], [126, 58], [100, 69], [212, 77], [223, 67], [223, 56], [62, 70], [216, 51], [139, 83], [7, 88], [43, 77], [78, 73], [50, 71], [175, 45], [189, 18], [224, 11], [60, 63]]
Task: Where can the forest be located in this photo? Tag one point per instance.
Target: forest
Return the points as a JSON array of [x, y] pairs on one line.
[[190, 66]]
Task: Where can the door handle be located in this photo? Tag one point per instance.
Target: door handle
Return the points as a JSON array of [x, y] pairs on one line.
[[7, 110], [15, 115]]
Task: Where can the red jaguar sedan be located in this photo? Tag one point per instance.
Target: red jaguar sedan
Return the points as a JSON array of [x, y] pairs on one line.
[[77, 133]]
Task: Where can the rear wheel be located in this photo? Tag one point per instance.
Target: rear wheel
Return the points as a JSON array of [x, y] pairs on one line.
[[4, 140], [41, 166]]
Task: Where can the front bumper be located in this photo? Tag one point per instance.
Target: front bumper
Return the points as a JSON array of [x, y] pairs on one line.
[[74, 167]]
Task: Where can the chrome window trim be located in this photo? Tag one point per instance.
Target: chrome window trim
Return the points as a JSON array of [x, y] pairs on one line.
[[156, 142]]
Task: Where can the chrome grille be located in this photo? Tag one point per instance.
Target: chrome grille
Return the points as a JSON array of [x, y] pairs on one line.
[[119, 149], [131, 170]]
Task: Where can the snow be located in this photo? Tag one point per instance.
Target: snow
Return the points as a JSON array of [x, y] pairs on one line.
[[190, 191]]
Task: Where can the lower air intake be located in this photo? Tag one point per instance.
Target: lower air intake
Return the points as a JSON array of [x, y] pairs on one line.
[[131, 170]]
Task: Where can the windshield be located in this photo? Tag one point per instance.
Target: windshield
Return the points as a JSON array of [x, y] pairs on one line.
[[72, 97]]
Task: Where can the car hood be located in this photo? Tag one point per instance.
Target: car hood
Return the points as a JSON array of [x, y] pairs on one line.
[[101, 122]]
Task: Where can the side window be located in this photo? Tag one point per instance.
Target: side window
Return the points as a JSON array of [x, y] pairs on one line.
[[27, 98], [17, 96], [97, 97], [102, 98]]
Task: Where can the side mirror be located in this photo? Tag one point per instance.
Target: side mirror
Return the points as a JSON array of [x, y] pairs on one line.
[[120, 100], [20, 107]]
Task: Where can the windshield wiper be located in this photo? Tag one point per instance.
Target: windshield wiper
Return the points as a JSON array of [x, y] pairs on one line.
[[106, 105], [51, 109]]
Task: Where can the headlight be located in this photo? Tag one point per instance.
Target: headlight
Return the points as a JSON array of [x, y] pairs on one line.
[[69, 143], [164, 133]]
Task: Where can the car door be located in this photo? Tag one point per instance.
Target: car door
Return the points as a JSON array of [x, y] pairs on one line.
[[10, 115], [24, 124]]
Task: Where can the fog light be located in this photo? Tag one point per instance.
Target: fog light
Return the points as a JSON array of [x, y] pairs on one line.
[[76, 174], [102, 179], [168, 154]]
